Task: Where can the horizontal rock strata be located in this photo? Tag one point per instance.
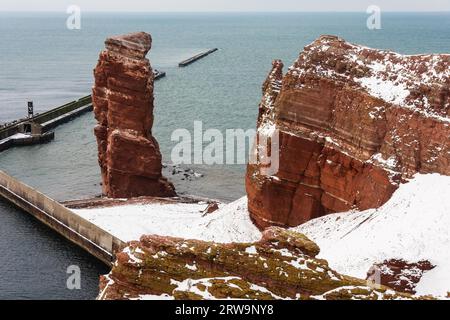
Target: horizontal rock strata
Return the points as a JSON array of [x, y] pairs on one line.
[[353, 123], [129, 155]]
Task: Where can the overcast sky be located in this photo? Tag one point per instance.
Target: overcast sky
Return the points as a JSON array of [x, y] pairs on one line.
[[225, 5]]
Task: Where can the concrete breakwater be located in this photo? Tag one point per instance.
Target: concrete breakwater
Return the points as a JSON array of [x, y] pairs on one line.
[[53, 118], [21, 139], [199, 56], [48, 120], [36, 129], [96, 241]]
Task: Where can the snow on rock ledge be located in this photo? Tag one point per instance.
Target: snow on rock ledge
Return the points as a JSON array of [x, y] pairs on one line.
[[231, 223]]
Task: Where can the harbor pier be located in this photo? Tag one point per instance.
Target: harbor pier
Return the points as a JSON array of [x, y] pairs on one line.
[[195, 58], [36, 129], [93, 239]]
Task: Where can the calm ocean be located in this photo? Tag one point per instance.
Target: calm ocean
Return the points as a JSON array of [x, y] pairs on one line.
[[43, 61]]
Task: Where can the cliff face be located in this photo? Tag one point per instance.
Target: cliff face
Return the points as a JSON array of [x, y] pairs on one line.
[[282, 264], [129, 155], [353, 123]]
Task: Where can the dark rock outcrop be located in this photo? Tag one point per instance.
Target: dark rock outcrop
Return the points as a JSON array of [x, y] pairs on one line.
[[399, 274], [353, 123], [281, 265], [212, 207], [129, 155]]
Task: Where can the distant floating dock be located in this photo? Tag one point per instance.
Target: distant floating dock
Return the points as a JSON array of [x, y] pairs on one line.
[[196, 57]]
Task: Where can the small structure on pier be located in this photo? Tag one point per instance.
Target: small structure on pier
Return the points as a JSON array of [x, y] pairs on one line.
[[30, 127], [35, 129]]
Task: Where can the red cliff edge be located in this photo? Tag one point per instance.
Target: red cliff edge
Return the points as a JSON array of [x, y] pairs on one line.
[[353, 123]]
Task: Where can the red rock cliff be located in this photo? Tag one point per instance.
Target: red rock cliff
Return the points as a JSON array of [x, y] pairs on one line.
[[353, 123], [129, 155]]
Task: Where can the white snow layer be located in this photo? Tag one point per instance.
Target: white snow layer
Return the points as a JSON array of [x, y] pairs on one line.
[[231, 223], [414, 225]]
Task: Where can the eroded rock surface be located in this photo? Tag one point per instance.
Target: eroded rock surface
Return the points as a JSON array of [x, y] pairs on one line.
[[129, 155], [353, 123], [399, 274], [282, 265]]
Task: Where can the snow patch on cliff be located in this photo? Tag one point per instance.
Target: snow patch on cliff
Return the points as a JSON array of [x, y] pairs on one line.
[[414, 225], [386, 90], [267, 129]]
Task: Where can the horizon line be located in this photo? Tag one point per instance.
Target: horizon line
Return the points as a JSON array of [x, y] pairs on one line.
[[228, 11]]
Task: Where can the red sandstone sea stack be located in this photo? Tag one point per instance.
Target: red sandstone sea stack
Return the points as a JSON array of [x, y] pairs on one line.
[[129, 155], [354, 122]]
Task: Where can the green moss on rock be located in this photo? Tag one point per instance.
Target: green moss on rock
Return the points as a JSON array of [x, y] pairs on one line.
[[282, 265]]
